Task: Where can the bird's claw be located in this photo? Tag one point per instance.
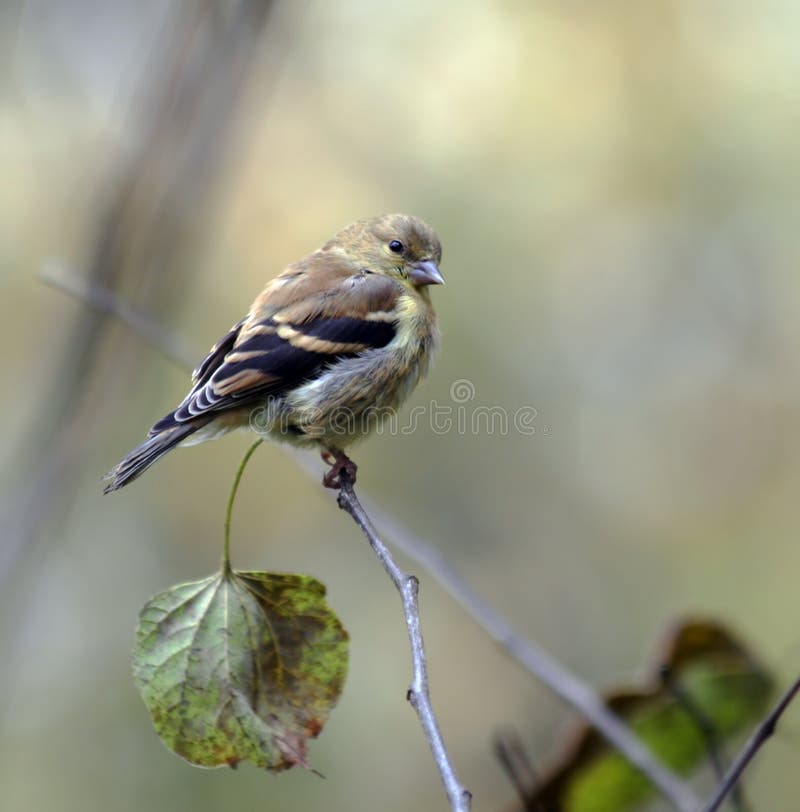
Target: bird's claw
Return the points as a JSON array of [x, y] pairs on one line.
[[341, 466]]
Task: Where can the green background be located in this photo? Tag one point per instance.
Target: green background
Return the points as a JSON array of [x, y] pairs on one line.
[[616, 189]]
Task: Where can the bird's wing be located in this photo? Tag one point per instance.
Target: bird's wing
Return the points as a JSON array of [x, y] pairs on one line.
[[217, 353], [301, 324]]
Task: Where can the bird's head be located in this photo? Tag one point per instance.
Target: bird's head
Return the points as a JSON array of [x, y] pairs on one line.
[[396, 245]]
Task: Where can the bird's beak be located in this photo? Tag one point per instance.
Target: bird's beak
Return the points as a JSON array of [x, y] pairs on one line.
[[425, 272]]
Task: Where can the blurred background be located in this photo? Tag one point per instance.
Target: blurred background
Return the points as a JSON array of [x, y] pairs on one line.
[[616, 190]]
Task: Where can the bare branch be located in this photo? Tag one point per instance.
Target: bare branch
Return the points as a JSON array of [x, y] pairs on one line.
[[511, 755], [418, 694], [763, 732], [707, 730], [178, 138], [527, 653], [544, 666], [103, 300]]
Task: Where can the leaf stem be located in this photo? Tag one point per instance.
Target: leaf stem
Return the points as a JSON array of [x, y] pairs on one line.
[[226, 550]]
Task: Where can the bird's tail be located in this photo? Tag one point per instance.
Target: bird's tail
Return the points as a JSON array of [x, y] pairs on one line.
[[151, 450]]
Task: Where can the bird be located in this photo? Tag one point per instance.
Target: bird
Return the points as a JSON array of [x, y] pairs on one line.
[[331, 347]]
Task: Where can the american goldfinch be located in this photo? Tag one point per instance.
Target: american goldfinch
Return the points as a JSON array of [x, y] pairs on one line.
[[330, 347]]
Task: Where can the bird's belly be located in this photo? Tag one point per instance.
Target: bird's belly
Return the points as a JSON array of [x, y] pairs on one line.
[[354, 397]]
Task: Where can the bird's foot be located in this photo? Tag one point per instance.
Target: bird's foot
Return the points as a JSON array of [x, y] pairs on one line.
[[341, 465]]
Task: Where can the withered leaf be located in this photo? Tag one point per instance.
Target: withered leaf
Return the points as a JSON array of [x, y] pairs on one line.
[[241, 666]]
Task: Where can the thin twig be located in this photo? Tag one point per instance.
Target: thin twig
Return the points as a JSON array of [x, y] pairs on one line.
[[763, 732], [544, 666], [418, 694], [103, 300], [534, 659], [707, 730], [178, 136], [512, 757]]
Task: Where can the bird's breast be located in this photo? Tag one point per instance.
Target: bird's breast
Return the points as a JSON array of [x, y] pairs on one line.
[[353, 395]]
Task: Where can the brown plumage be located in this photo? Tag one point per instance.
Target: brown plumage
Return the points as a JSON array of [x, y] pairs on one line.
[[327, 351]]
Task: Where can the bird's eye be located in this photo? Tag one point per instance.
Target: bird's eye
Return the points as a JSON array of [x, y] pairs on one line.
[[396, 246]]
